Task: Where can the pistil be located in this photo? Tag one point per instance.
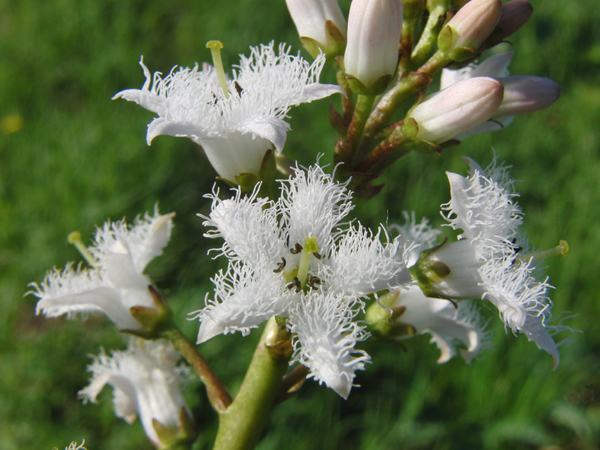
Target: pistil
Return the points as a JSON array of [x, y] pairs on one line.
[[215, 50], [310, 246], [562, 249], [75, 239]]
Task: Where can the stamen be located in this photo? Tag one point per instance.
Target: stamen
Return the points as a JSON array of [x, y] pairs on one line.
[[317, 255], [238, 88], [280, 266], [314, 281], [215, 49], [562, 249], [297, 249], [295, 283], [75, 239]]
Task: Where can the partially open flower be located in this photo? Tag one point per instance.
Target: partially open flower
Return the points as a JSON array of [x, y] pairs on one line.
[[146, 383], [115, 282]]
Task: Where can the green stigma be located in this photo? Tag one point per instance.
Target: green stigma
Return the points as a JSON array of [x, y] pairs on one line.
[[75, 239], [215, 49]]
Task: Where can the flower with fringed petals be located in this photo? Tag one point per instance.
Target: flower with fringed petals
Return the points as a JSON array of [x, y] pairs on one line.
[[295, 258]]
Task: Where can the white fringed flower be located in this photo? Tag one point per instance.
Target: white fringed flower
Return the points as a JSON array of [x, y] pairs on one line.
[[236, 125], [146, 383], [452, 327], [115, 282], [290, 258], [487, 262]]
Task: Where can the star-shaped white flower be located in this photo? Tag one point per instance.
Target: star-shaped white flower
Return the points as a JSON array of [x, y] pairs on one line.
[[115, 282], [235, 126], [292, 259], [146, 383], [487, 260]]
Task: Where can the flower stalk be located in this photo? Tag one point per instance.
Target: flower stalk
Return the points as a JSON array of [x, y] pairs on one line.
[[242, 424]]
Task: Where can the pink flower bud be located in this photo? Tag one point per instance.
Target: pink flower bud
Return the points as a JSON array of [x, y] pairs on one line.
[[526, 94], [514, 15], [374, 29], [320, 24], [458, 108], [469, 28]]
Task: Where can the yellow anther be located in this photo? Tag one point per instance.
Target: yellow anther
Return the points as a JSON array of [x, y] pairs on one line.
[[215, 50], [75, 239]]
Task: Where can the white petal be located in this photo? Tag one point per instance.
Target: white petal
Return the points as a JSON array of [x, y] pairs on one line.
[[325, 340]]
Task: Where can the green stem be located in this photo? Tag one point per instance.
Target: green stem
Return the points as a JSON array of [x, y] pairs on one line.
[[429, 36], [217, 393], [364, 106], [241, 425]]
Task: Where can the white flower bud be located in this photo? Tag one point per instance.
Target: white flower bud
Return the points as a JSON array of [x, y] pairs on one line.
[[526, 94], [469, 28], [458, 108], [311, 18], [374, 29]]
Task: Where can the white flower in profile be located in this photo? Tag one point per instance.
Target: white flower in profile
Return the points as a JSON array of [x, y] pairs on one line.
[[292, 259], [146, 383], [452, 326], [235, 120], [487, 260], [116, 281]]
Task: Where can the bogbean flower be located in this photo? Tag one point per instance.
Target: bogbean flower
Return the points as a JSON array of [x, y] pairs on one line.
[[292, 258], [407, 311], [115, 282], [147, 384], [522, 94], [488, 260], [236, 120]]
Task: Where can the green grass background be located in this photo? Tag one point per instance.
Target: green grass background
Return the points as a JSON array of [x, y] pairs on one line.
[[81, 158]]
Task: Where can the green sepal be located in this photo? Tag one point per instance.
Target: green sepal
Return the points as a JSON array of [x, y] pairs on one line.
[[378, 87], [154, 320], [180, 438], [335, 45]]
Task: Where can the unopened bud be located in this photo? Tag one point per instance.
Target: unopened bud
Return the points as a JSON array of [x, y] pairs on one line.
[[514, 15], [458, 108], [462, 36], [320, 24], [371, 58], [526, 94]]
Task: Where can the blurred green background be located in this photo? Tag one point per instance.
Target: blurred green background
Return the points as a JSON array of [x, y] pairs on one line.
[[70, 158]]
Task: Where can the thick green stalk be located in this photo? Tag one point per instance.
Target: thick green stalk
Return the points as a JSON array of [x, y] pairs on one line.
[[241, 425]]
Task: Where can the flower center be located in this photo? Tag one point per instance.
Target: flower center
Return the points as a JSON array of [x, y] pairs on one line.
[[215, 50]]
